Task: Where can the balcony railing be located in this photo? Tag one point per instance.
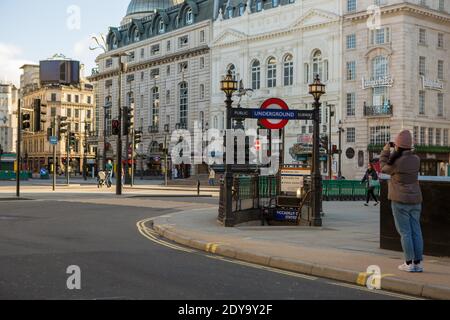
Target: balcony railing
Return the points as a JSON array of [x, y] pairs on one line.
[[378, 111]]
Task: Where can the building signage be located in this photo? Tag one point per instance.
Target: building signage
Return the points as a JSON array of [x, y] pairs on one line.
[[432, 84], [386, 81], [273, 114], [286, 215], [292, 179]]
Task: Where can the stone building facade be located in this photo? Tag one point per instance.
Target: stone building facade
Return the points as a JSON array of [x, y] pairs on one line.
[[8, 117], [396, 76]]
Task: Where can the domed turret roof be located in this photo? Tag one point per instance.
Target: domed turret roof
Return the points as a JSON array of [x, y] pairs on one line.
[[148, 6]]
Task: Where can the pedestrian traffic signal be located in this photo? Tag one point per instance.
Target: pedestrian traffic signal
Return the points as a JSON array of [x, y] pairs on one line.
[[128, 120], [115, 127], [26, 121], [137, 137], [62, 126]]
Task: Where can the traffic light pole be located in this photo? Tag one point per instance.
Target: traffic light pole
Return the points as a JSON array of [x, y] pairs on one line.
[[54, 155], [68, 158], [19, 137], [119, 136], [133, 137]]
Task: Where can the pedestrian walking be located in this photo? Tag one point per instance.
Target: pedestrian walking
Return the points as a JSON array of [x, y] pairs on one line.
[[109, 170], [371, 180], [212, 177], [404, 192]]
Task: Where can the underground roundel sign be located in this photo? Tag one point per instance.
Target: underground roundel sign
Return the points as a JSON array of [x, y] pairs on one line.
[[274, 103]]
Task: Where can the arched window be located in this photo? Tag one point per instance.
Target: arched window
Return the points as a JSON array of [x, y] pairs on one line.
[[288, 70], [155, 107], [380, 67], [184, 103], [154, 147], [189, 16], [317, 64], [202, 92], [114, 43], [230, 12], [258, 5], [256, 75], [162, 26], [231, 67], [241, 9], [271, 72], [136, 35]]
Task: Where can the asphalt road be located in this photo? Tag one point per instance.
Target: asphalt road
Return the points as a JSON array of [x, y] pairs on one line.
[[40, 239]]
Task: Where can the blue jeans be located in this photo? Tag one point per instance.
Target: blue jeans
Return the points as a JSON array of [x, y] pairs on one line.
[[407, 222]]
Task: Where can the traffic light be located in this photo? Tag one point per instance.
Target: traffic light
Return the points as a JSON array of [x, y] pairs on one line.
[[128, 120], [72, 139], [26, 121], [62, 126], [115, 127], [137, 137]]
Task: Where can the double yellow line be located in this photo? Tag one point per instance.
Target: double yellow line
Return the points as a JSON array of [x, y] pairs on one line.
[[154, 237]]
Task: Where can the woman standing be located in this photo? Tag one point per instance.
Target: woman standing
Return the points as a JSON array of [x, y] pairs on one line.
[[404, 191], [371, 179]]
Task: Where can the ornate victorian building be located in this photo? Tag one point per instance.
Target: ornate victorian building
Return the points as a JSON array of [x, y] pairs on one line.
[[276, 48], [8, 117], [167, 77], [396, 74]]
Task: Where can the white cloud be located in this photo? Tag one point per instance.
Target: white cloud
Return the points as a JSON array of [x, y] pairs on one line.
[[10, 62]]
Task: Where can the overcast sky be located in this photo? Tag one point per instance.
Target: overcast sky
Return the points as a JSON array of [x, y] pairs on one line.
[[33, 30]]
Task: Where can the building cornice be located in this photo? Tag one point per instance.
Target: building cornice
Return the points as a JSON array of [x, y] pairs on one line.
[[404, 8], [152, 63]]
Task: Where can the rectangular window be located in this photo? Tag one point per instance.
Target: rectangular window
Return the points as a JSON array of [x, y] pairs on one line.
[[440, 106], [182, 67], [351, 70], [445, 137], [88, 114], [380, 135], [422, 66], [380, 36], [53, 98], [131, 56], [69, 113], [155, 49], [202, 63], [69, 98], [351, 101], [89, 100], [422, 102], [440, 43], [438, 137], [168, 45], [422, 136], [441, 5], [53, 111], [154, 74], [351, 41], [416, 135], [351, 5], [202, 92], [430, 136], [422, 36], [351, 135], [108, 63], [440, 69], [142, 53], [77, 99], [168, 70], [77, 113], [183, 41], [202, 36]]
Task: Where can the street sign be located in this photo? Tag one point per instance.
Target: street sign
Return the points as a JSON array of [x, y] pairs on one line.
[[292, 178], [273, 114], [270, 109], [286, 215], [53, 140]]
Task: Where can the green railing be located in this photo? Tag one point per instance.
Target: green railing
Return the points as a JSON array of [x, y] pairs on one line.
[[11, 175], [350, 190]]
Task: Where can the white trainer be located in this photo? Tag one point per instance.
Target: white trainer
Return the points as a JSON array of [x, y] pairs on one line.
[[418, 267], [406, 267]]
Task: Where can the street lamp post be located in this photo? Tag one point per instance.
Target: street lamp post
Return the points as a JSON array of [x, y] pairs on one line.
[[330, 144], [228, 85], [119, 136], [85, 146], [341, 130], [316, 89]]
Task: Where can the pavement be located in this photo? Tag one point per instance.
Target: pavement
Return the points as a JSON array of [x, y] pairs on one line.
[[345, 249]]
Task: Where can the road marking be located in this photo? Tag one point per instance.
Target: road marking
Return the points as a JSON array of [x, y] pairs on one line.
[[152, 236], [382, 292], [212, 248]]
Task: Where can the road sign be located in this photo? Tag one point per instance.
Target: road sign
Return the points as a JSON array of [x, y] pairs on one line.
[[292, 178], [275, 103], [53, 140]]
